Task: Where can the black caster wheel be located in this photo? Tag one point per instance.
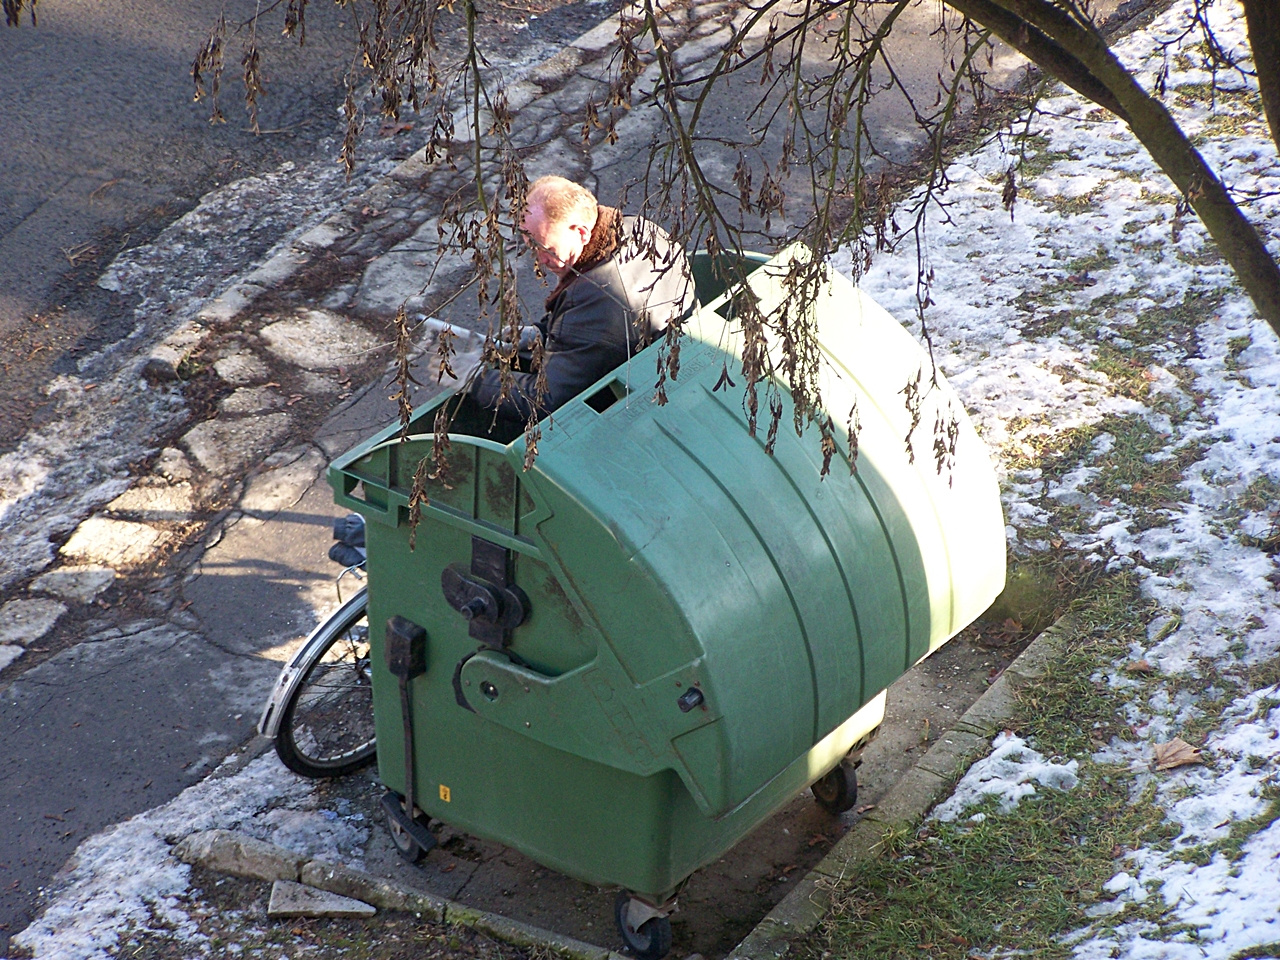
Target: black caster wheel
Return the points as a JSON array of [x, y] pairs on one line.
[[837, 791], [405, 845], [651, 940]]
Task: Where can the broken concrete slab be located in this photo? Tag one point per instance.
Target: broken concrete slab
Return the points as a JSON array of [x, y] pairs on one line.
[[557, 68], [406, 274], [290, 899], [113, 543], [151, 500], [395, 278], [251, 400], [319, 340], [236, 853], [79, 583], [318, 383], [283, 485], [229, 304], [323, 235], [23, 622], [167, 356], [241, 369], [224, 447], [172, 464]]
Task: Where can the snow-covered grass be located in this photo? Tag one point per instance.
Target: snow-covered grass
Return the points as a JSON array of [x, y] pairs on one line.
[[1129, 390]]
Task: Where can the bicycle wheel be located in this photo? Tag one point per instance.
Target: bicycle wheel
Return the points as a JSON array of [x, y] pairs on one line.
[[326, 728]]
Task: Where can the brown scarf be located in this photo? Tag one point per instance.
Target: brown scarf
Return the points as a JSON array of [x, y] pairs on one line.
[[606, 237]]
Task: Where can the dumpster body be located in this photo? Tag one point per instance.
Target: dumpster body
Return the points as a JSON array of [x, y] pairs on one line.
[[704, 628]]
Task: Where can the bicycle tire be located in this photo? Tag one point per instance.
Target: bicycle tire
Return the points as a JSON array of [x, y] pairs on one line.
[[326, 727]]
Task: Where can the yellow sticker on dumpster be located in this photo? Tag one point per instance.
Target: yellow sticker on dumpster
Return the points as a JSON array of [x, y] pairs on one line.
[[444, 793]]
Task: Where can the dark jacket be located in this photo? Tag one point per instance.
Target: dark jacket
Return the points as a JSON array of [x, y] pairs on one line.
[[629, 283]]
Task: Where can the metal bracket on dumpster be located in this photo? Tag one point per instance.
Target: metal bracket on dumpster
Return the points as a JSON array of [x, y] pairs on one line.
[[486, 594], [406, 652], [639, 912]]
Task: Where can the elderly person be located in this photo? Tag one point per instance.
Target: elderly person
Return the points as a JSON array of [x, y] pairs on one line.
[[621, 282]]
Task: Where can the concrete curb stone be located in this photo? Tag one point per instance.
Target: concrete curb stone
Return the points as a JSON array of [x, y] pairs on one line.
[[228, 851], [236, 853]]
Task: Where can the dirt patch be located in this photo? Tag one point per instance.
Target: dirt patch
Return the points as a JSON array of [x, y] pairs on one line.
[[231, 915]]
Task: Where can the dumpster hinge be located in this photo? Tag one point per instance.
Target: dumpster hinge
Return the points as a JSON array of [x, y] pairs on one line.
[[486, 593]]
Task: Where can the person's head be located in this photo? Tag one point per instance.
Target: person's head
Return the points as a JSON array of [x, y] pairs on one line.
[[558, 219]]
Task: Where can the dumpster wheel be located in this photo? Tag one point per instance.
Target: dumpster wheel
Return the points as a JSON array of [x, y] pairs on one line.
[[408, 848], [648, 939], [837, 791]]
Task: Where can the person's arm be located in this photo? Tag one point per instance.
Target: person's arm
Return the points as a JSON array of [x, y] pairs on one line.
[[585, 340]]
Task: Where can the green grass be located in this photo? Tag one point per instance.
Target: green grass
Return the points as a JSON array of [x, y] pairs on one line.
[[1174, 325], [1016, 881], [1071, 206], [1147, 195], [1126, 373], [1132, 470], [1261, 495], [1235, 347], [1036, 157], [1135, 472], [1066, 710], [1056, 454]]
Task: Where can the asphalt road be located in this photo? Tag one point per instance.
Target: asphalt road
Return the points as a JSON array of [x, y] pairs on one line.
[[104, 146]]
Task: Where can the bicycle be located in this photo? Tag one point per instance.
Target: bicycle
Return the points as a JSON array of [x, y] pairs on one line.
[[320, 712]]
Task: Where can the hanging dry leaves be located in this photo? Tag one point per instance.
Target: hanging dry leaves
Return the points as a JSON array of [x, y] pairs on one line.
[[1176, 753]]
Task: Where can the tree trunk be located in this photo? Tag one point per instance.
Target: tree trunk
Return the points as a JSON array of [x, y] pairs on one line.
[[1263, 20], [1081, 58]]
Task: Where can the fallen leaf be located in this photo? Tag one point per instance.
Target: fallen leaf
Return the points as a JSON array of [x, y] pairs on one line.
[[1139, 666], [1176, 753]]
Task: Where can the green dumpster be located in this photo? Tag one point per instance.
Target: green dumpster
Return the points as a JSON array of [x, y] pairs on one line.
[[628, 656]]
